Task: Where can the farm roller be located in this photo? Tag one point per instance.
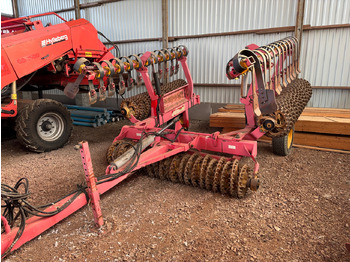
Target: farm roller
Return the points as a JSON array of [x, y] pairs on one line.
[[158, 142], [274, 100]]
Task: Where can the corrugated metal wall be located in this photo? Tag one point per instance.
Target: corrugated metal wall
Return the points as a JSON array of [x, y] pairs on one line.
[[125, 20], [191, 17], [33, 7], [325, 57], [323, 63], [326, 12], [208, 56]]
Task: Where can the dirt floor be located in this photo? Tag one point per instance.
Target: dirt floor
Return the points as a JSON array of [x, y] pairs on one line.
[[300, 213]]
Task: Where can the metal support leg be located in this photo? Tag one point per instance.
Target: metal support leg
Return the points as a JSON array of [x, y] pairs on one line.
[[94, 195]]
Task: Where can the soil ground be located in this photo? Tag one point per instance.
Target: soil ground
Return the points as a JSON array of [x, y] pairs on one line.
[[300, 213]]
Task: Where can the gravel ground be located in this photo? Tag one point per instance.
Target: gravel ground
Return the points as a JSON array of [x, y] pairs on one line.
[[300, 213]]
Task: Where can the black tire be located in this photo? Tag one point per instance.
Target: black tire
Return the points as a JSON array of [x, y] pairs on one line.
[[282, 146], [43, 125]]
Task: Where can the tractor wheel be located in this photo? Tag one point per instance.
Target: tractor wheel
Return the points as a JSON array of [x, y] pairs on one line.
[[282, 146], [43, 125]]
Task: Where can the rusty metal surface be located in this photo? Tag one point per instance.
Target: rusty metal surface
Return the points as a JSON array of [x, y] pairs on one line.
[[205, 171], [140, 105]]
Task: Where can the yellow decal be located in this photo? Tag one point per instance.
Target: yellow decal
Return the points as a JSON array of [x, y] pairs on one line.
[[178, 110], [88, 54], [14, 96], [81, 67]]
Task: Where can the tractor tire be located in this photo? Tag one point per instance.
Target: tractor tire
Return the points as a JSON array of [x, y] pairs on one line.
[[43, 125], [282, 146]]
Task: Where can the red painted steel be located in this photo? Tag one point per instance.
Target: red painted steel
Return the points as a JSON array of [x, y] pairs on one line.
[[27, 46], [6, 225], [11, 107], [91, 180], [37, 225], [31, 50]]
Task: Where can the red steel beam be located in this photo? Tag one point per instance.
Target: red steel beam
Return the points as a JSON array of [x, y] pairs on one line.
[[37, 225]]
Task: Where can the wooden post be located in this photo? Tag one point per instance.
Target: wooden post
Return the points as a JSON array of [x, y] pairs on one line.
[[165, 23], [15, 8], [299, 22], [77, 9]]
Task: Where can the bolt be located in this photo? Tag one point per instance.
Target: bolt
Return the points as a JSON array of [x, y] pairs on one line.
[[77, 147]]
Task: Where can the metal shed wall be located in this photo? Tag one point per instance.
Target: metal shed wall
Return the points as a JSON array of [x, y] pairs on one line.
[[190, 17], [127, 20], [33, 7], [325, 56], [327, 12]]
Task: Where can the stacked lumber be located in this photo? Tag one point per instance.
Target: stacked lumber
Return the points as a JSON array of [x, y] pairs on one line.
[[316, 127], [92, 116]]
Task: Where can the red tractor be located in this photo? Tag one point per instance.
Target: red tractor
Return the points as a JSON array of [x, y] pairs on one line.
[[35, 57]]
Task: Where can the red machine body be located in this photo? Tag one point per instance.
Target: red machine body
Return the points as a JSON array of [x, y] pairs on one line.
[[28, 46]]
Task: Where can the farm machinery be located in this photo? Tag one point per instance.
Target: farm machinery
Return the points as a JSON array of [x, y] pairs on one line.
[[34, 58], [158, 142]]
